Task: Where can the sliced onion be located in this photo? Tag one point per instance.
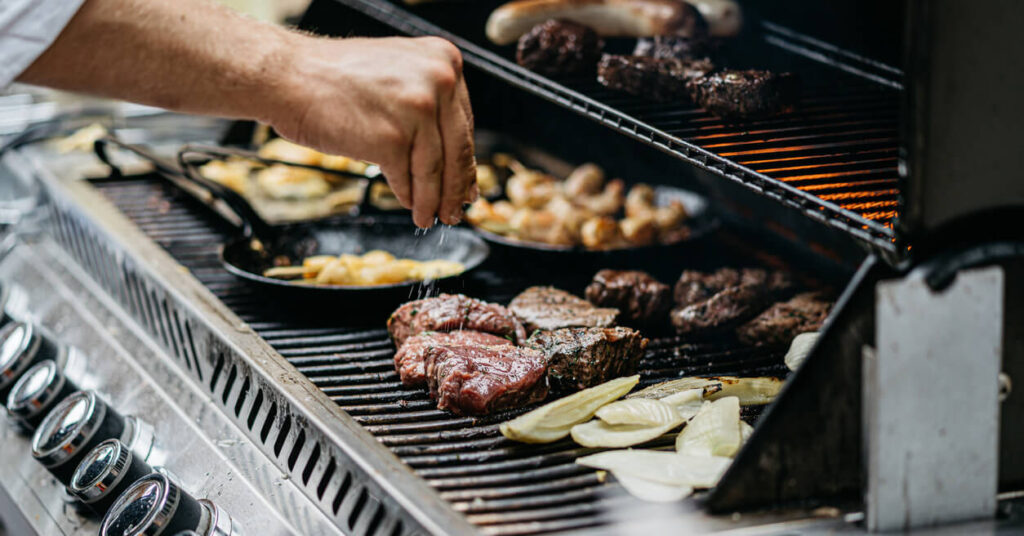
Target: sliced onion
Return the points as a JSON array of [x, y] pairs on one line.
[[745, 432], [715, 431], [751, 391], [649, 490], [800, 348], [687, 403], [663, 467], [598, 433], [553, 421], [638, 411]]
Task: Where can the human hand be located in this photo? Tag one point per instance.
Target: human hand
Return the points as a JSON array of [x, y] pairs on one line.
[[400, 103]]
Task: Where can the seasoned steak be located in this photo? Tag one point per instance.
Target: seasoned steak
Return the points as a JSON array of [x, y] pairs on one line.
[[559, 48], [673, 46], [661, 79], [584, 357], [551, 308], [450, 312], [642, 299], [476, 380], [724, 310], [409, 360], [781, 322], [694, 286], [736, 94]]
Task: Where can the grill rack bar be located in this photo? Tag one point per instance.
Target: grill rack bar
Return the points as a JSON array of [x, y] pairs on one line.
[[523, 488]]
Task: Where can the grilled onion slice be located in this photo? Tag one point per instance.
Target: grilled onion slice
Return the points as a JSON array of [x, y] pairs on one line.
[[598, 433], [638, 411], [800, 348], [751, 391], [668, 468], [715, 431], [553, 421], [649, 490], [687, 403]]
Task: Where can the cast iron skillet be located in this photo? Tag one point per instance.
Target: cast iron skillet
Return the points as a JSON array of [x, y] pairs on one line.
[[259, 245]]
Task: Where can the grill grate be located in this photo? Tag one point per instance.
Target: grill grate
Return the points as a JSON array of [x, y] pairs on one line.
[[503, 487], [834, 157]]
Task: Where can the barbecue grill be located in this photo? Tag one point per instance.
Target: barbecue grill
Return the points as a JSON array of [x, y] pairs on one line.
[[303, 425]]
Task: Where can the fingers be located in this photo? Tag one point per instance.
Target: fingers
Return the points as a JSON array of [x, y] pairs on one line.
[[427, 163], [459, 165], [395, 166]]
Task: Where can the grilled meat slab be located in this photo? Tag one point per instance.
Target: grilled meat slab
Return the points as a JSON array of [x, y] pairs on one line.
[[476, 380], [672, 46], [734, 94], [559, 48], [642, 299], [410, 358], [661, 79], [694, 287], [724, 310], [551, 308], [450, 312], [578, 358], [782, 322]]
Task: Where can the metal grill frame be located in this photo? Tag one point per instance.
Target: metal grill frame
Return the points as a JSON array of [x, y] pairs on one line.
[[873, 233], [353, 479]]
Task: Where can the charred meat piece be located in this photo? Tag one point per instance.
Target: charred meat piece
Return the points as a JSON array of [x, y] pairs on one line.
[[724, 310], [694, 286], [673, 46], [663, 79], [551, 308], [559, 48], [409, 360], [734, 94], [642, 299], [476, 380], [780, 323], [578, 358], [450, 312]]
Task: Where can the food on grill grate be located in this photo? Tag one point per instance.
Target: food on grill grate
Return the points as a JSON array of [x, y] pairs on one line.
[[583, 357], [640, 298], [450, 312], [735, 94], [622, 18], [672, 46], [694, 286], [410, 358], [661, 79], [554, 420], [580, 210], [559, 48], [550, 308], [666, 468], [724, 310], [751, 391], [375, 267], [714, 431], [781, 322], [799, 349], [476, 380], [627, 423]]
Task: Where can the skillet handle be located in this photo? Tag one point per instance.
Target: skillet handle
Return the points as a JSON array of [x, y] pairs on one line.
[[254, 227], [162, 165]]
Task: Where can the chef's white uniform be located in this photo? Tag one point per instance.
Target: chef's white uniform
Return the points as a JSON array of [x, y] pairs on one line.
[[27, 29]]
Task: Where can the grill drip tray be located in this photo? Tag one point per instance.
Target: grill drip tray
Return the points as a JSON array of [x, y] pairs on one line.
[[502, 487]]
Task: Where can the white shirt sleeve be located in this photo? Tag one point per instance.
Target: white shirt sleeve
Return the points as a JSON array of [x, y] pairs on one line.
[[27, 29]]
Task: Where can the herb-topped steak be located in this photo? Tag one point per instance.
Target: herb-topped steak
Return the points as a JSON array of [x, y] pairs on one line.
[[551, 308], [584, 357], [409, 360], [451, 312], [476, 380]]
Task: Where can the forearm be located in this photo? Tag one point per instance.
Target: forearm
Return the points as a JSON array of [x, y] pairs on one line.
[[186, 55]]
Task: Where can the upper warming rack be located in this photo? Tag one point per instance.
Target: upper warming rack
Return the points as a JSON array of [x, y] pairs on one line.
[[834, 157]]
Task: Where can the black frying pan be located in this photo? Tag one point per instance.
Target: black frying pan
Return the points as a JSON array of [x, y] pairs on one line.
[[260, 246]]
